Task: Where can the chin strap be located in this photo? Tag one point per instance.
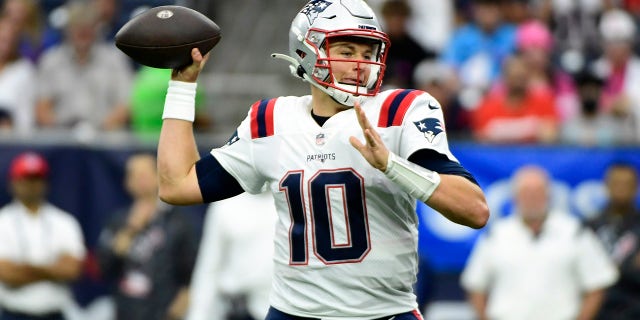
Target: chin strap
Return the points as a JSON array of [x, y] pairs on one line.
[[294, 66]]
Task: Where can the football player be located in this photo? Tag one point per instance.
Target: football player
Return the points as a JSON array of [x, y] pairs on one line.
[[345, 165]]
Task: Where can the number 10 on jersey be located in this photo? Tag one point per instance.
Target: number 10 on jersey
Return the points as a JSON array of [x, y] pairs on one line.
[[320, 199]]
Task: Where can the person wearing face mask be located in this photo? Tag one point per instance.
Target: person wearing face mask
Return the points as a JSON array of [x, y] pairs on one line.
[[593, 126]]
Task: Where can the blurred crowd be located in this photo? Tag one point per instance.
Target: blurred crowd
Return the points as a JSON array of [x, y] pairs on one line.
[[60, 69], [505, 71], [521, 71]]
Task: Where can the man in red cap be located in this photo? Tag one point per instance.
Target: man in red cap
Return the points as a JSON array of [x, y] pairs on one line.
[[42, 246]]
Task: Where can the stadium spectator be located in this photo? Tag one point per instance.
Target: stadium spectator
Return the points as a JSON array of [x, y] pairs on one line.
[[575, 29], [42, 247], [438, 79], [36, 35], [148, 250], [232, 277], [406, 52], [592, 126], [109, 17], [618, 226], [17, 79], [478, 49], [620, 68], [535, 44], [516, 113], [537, 263], [83, 82], [147, 97], [517, 12]]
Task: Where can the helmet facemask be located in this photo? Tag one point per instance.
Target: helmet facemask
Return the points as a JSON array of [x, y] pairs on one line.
[[368, 74], [321, 23]]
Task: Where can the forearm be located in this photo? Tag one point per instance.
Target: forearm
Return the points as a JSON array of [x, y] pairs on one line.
[[177, 155], [478, 301], [18, 275], [118, 118], [44, 113], [66, 268], [460, 201], [591, 302], [179, 305], [177, 150]]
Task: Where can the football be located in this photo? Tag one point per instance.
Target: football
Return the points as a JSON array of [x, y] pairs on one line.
[[162, 37]]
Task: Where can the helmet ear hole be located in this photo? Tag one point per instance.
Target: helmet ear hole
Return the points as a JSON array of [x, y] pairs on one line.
[[300, 72], [301, 54]]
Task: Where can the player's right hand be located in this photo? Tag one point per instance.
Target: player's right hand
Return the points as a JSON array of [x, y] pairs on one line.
[[373, 150], [190, 73]]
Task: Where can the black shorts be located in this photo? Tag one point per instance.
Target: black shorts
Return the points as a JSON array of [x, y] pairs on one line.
[[275, 314], [10, 315]]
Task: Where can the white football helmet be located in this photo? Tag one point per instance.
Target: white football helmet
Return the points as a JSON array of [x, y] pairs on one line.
[[311, 31]]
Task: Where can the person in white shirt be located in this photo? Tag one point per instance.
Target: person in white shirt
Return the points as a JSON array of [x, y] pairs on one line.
[[537, 263], [232, 277], [42, 247], [17, 83]]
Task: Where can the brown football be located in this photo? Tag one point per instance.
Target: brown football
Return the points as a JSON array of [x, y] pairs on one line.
[[162, 37]]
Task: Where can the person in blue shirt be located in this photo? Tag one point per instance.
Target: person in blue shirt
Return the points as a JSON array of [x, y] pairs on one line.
[[477, 49]]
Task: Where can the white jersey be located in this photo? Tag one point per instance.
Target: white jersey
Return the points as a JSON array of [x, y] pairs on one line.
[[346, 238]]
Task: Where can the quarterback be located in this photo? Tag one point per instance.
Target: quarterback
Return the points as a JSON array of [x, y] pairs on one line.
[[345, 166]]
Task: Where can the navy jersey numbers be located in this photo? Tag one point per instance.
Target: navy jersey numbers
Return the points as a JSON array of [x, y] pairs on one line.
[[327, 189]]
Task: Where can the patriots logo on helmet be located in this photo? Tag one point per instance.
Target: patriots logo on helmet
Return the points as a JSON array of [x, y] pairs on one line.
[[430, 127], [314, 8]]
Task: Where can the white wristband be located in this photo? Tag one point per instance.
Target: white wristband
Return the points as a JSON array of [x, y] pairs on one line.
[[412, 178], [180, 102]]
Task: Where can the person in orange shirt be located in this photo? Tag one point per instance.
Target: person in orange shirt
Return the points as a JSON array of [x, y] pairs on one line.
[[515, 113]]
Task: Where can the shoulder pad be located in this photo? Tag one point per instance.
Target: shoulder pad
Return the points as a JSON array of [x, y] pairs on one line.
[[395, 106], [262, 118]]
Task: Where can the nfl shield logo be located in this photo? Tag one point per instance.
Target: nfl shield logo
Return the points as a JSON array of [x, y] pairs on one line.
[[320, 139]]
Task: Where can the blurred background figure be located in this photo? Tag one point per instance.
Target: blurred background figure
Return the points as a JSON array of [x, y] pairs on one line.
[[517, 12], [575, 29], [17, 81], [516, 113], [406, 52], [620, 68], [618, 226], [592, 125], [83, 82], [148, 250], [35, 34], [478, 49], [42, 247], [534, 43], [232, 278], [110, 19], [438, 79], [537, 263], [147, 102]]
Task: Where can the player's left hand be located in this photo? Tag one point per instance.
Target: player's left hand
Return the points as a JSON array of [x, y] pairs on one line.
[[374, 151]]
